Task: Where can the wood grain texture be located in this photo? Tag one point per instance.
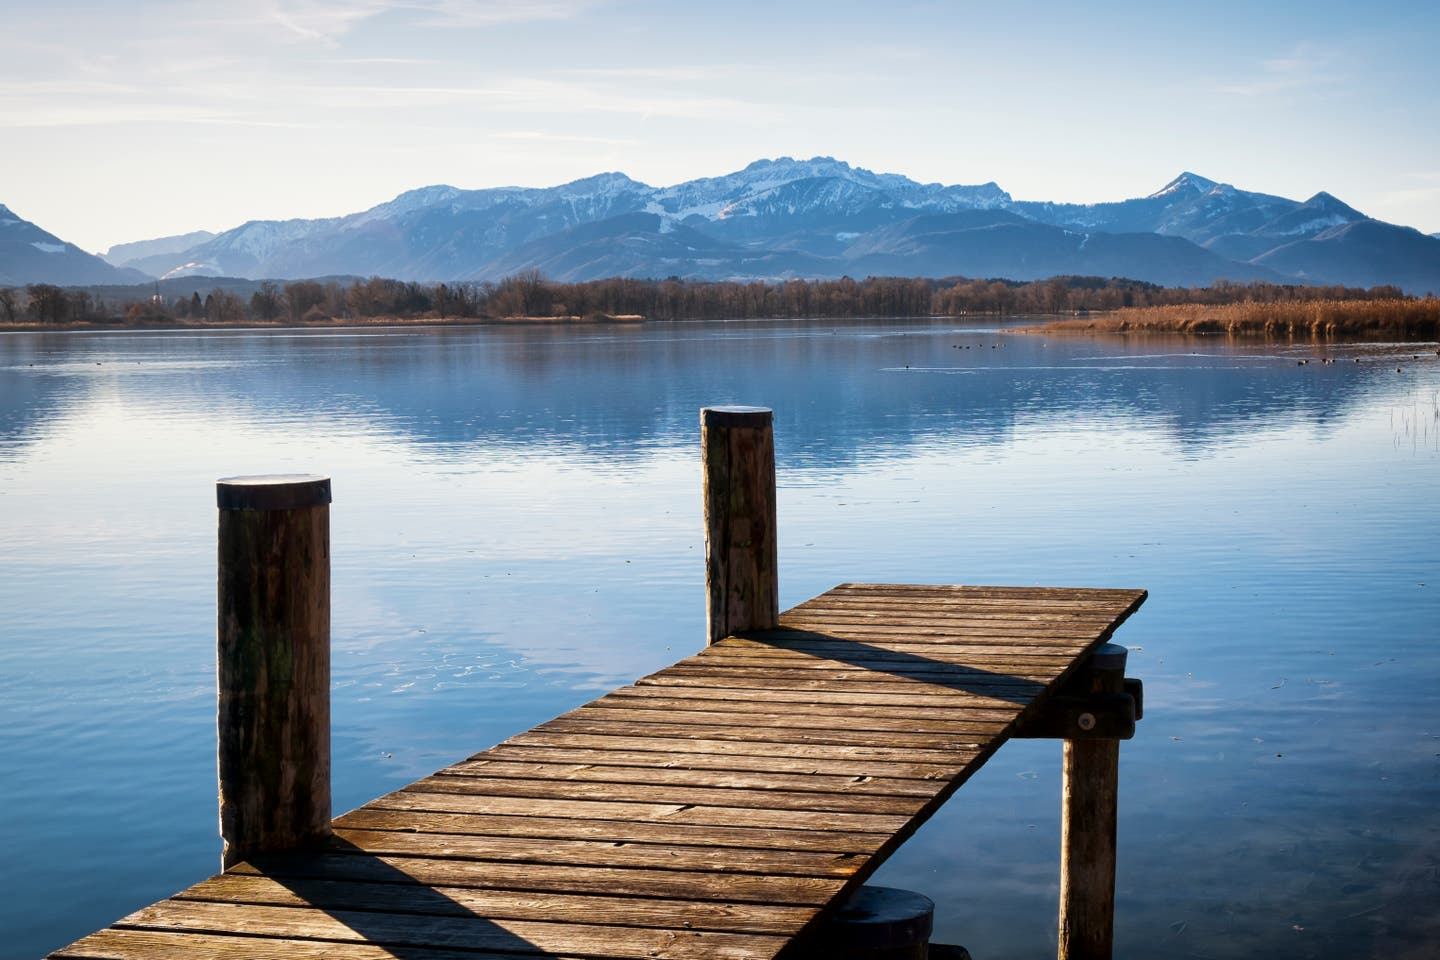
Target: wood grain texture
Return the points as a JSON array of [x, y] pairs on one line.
[[717, 808], [1090, 792], [273, 665], [741, 568]]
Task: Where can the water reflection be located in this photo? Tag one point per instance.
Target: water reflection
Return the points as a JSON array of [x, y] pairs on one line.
[[516, 529], [841, 393]]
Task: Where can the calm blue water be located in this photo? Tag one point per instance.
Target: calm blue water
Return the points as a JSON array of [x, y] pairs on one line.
[[516, 529]]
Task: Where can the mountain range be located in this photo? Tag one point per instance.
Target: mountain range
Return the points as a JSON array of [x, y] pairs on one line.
[[787, 218]]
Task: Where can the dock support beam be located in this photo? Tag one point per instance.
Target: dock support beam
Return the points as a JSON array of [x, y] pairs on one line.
[[273, 663], [738, 451], [1089, 807]]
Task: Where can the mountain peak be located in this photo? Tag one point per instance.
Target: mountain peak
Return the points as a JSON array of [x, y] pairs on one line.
[[765, 163], [1186, 183], [1330, 204], [608, 182]]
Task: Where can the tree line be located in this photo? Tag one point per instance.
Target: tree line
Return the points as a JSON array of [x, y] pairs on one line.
[[530, 294]]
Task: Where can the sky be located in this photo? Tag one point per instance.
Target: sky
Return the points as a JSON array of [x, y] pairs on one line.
[[124, 121]]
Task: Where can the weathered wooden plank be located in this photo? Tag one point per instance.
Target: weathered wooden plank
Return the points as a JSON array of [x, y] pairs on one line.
[[993, 696], [963, 593], [953, 640], [708, 860], [959, 606], [881, 669], [501, 904], [725, 703], [656, 756], [909, 591], [473, 933], [970, 653], [938, 702], [957, 678], [660, 793], [133, 944], [643, 812], [973, 733], [976, 721], [860, 629], [945, 615], [882, 649], [740, 748], [620, 881], [857, 784], [610, 831]]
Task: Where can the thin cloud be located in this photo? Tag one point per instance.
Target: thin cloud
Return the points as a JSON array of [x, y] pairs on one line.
[[468, 13], [513, 93], [648, 73], [1303, 68], [327, 21], [378, 61], [107, 116], [538, 136], [320, 21]]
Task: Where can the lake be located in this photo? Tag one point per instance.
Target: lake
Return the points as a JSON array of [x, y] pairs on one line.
[[516, 529]]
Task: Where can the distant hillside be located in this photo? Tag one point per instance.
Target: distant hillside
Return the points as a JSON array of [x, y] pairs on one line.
[[132, 254], [818, 218], [29, 254]]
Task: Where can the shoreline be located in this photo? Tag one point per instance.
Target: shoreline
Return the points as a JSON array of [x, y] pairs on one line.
[[1171, 321], [159, 326]]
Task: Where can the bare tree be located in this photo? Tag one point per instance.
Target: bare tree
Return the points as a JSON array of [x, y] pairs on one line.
[[47, 302]]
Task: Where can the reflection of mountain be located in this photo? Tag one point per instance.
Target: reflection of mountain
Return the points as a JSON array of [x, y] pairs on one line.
[[842, 394]]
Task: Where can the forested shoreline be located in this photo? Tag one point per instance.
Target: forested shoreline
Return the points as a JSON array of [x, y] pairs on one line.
[[530, 296]]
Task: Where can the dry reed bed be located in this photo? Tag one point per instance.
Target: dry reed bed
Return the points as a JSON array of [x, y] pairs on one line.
[[1397, 319]]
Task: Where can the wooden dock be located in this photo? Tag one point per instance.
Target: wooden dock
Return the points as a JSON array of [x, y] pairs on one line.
[[723, 807]]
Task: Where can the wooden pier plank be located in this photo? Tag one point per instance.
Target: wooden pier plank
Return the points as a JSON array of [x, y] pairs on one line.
[[468, 932], [738, 797], [500, 904], [409, 820], [712, 809], [682, 759], [651, 881]]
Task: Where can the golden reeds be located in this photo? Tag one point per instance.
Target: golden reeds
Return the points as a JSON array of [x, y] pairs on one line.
[[1396, 319]]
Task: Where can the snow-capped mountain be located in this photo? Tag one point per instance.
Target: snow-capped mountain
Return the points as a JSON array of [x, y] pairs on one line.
[[29, 254], [821, 217], [124, 254]]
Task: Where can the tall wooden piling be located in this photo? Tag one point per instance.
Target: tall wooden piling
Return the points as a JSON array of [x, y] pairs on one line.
[[741, 581], [1089, 808], [273, 663]]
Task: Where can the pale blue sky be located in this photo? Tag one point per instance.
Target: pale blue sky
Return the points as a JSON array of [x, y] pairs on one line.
[[128, 120]]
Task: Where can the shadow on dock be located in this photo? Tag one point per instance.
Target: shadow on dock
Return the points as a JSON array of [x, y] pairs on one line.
[[902, 665]]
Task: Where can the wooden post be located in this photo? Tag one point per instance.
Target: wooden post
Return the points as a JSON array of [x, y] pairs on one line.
[[742, 591], [876, 923], [1089, 805], [273, 663]]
